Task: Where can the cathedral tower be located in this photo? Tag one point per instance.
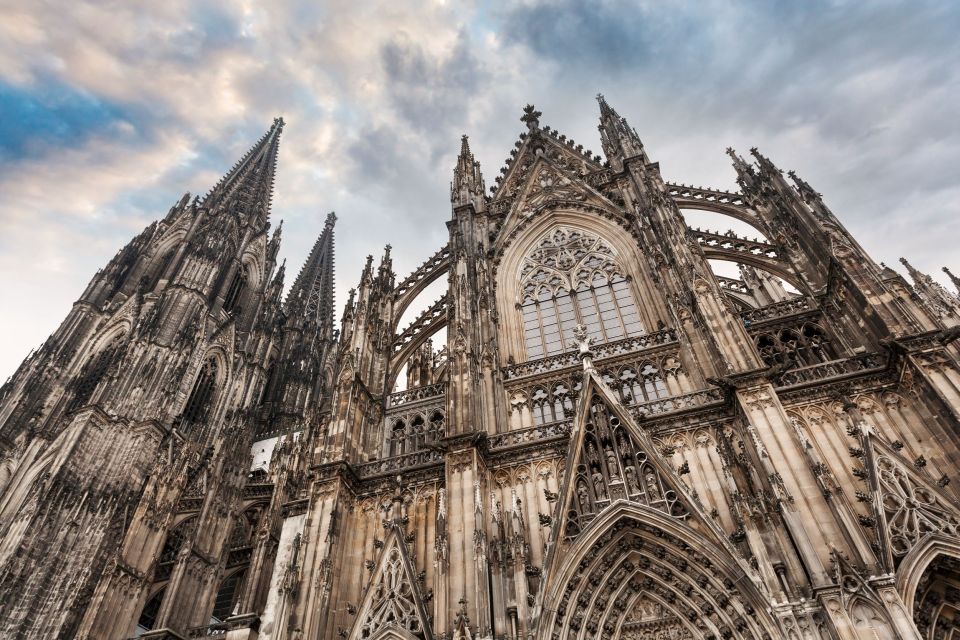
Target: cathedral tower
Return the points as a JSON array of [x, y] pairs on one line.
[[589, 434]]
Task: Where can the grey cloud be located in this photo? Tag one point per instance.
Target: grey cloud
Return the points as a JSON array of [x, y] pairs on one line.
[[431, 93]]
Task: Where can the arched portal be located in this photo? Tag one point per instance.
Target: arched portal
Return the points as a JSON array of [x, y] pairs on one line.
[[631, 557], [936, 604]]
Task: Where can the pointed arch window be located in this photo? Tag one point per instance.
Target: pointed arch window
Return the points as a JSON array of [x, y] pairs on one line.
[[198, 404], [237, 285], [93, 373], [573, 277], [160, 269]]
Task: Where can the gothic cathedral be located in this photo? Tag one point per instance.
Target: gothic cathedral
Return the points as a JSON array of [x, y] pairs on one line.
[[614, 442]]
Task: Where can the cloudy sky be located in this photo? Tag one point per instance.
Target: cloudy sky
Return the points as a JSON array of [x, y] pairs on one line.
[[109, 111]]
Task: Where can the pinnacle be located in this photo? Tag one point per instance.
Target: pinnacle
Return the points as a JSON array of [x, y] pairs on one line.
[[953, 278], [531, 117]]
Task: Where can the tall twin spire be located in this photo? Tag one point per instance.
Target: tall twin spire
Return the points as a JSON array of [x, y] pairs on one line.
[[248, 186], [311, 296]]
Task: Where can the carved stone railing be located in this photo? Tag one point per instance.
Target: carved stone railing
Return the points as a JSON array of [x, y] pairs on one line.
[[428, 268], [422, 322], [540, 433], [833, 369], [778, 310], [417, 394], [601, 351], [215, 630], [399, 463], [733, 243], [732, 284], [239, 556], [259, 490], [597, 178], [706, 194], [560, 429], [677, 403]]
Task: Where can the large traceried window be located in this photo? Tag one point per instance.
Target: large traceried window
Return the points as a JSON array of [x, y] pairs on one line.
[[573, 277]]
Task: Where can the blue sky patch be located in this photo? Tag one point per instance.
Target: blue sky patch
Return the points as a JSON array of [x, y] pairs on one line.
[[48, 114]]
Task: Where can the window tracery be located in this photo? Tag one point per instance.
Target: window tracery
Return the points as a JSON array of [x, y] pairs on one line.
[[408, 434], [806, 346], [573, 277], [912, 510], [393, 601]]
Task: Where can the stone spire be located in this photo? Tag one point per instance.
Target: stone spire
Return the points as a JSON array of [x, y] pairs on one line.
[[620, 140], [954, 279], [467, 186], [766, 165], [746, 174], [248, 187], [808, 193], [917, 276], [944, 304], [311, 296]]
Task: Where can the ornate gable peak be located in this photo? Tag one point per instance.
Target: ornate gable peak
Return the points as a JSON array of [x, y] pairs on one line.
[[393, 598], [541, 141], [545, 186], [612, 460], [908, 506]]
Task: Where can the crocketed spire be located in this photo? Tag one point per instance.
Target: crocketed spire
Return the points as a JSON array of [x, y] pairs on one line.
[[248, 186], [467, 186], [311, 296]]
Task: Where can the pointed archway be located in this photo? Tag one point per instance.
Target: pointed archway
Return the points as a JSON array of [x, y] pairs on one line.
[[626, 530], [632, 552]]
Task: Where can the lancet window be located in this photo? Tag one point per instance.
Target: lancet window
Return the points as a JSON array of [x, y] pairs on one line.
[[573, 277], [94, 371], [160, 269], [237, 285], [413, 433], [198, 404], [227, 596]]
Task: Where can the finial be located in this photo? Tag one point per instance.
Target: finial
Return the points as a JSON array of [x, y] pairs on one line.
[[331, 219], [583, 342], [531, 117]]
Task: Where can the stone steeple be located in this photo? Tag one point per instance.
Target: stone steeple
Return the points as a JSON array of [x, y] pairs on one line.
[[467, 186], [620, 141], [954, 279], [311, 296], [248, 186]]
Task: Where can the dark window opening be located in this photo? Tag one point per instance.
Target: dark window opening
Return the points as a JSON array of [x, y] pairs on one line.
[[93, 373], [198, 404]]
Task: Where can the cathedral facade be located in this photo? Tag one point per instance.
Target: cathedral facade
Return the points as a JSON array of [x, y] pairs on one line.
[[615, 442]]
